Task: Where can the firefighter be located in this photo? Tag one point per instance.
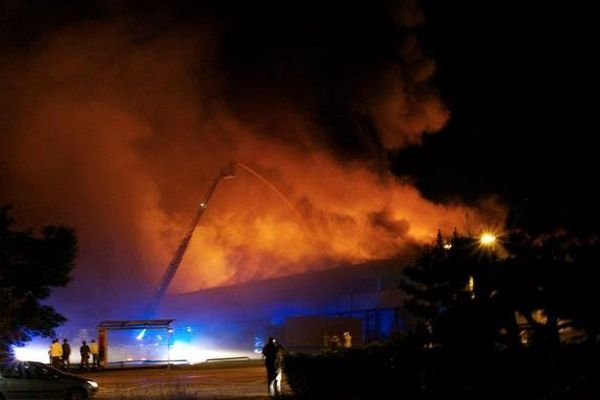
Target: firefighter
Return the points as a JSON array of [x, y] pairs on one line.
[[66, 354], [95, 352], [56, 353], [84, 350], [273, 353], [347, 340]]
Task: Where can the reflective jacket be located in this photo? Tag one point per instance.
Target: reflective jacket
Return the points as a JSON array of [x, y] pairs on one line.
[[56, 350]]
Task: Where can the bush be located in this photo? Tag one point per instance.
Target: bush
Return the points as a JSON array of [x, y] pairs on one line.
[[373, 372], [403, 369]]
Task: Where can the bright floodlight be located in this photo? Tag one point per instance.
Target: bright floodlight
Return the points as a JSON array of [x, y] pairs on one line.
[[487, 239]]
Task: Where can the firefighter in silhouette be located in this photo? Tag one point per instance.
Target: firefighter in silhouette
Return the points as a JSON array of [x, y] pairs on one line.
[[273, 353], [84, 350], [66, 354]]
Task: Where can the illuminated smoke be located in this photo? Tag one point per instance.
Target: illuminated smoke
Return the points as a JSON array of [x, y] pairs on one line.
[[117, 130]]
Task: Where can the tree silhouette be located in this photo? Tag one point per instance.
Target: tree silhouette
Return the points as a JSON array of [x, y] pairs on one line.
[[440, 285], [30, 265], [581, 297]]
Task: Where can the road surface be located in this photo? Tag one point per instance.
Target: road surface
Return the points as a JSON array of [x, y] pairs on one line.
[[222, 381]]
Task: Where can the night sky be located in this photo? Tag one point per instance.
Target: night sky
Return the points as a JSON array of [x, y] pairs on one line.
[[520, 82], [112, 112]]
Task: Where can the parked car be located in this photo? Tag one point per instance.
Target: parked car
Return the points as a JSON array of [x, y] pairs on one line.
[[34, 380]]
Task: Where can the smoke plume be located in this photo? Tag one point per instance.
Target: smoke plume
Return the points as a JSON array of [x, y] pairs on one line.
[[117, 124]]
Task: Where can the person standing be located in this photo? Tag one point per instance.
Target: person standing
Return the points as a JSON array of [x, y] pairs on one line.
[[334, 342], [95, 352], [56, 354], [273, 353], [66, 354], [347, 340], [84, 350]]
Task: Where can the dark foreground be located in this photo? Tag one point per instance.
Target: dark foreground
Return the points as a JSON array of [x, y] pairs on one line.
[[247, 380]]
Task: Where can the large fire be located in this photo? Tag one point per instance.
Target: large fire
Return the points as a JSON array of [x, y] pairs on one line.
[[119, 134]]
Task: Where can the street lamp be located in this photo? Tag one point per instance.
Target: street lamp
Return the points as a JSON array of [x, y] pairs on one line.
[[487, 239], [487, 246]]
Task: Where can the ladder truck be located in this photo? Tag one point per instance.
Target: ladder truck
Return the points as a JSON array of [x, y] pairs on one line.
[[226, 172]]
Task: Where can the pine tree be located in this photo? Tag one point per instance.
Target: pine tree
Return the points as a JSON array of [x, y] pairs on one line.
[[440, 284]]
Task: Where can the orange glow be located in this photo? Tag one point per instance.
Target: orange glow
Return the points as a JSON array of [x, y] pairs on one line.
[[111, 135]]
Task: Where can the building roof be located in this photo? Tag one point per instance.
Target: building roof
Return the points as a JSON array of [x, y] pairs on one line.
[[136, 324]]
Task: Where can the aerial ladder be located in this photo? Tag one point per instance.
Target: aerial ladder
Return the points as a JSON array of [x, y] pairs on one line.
[[226, 172]]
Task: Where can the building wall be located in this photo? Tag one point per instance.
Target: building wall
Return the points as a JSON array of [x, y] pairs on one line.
[[369, 292]]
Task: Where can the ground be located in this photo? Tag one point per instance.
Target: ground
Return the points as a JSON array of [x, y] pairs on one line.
[[241, 380]]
